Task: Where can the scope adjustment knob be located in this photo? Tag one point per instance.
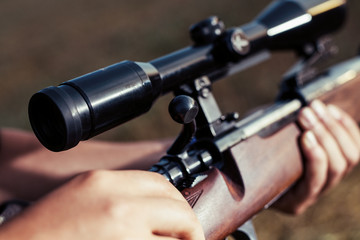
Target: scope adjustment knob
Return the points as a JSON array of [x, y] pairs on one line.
[[207, 30]]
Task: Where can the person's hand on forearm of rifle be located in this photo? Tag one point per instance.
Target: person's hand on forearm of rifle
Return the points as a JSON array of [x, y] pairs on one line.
[[331, 147], [108, 205]]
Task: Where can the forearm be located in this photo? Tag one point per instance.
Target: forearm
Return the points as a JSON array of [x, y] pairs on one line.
[[28, 171]]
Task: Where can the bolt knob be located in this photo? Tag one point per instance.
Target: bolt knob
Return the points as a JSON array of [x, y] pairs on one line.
[[183, 109], [206, 31]]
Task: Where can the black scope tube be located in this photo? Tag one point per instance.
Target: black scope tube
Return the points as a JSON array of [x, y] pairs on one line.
[[93, 103]]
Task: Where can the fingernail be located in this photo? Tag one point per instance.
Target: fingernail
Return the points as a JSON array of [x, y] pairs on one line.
[[319, 108], [335, 112], [307, 118], [310, 139]]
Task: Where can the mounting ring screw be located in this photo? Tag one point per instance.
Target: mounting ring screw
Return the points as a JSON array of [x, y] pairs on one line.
[[239, 42]]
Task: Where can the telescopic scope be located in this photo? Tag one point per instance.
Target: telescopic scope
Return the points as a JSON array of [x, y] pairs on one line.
[[88, 105]]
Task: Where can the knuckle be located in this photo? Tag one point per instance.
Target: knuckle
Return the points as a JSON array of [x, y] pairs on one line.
[[354, 157], [161, 184], [322, 135], [357, 158], [331, 123], [120, 208], [303, 206], [93, 179], [298, 211], [114, 208], [339, 170], [295, 210], [314, 191]]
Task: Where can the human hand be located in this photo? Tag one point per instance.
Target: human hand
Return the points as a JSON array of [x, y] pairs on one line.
[[331, 147], [108, 205]]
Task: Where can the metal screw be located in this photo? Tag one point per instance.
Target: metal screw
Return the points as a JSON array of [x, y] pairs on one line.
[[239, 42], [205, 92]]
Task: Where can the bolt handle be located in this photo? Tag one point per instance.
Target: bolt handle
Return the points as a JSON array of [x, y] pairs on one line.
[[183, 109]]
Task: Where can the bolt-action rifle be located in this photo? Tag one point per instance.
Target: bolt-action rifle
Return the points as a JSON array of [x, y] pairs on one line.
[[217, 160]]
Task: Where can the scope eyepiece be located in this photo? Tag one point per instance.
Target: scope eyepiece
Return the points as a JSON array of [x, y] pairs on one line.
[[55, 117], [91, 104]]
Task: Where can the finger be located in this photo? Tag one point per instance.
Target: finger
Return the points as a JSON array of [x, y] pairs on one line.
[[316, 167], [345, 141], [173, 219], [337, 164], [308, 188], [351, 127]]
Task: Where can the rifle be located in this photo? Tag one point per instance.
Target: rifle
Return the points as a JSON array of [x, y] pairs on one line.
[[215, 161]]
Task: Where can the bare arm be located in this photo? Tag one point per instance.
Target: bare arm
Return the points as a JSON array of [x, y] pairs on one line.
[[28, 170]]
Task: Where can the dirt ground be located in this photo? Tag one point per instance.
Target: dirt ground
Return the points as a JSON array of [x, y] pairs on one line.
[[44, 43]]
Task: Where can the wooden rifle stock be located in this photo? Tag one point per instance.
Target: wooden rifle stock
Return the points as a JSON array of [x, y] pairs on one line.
[[258, 169]]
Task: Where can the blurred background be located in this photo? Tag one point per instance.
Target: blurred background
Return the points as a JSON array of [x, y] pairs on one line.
[[44, 43]]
